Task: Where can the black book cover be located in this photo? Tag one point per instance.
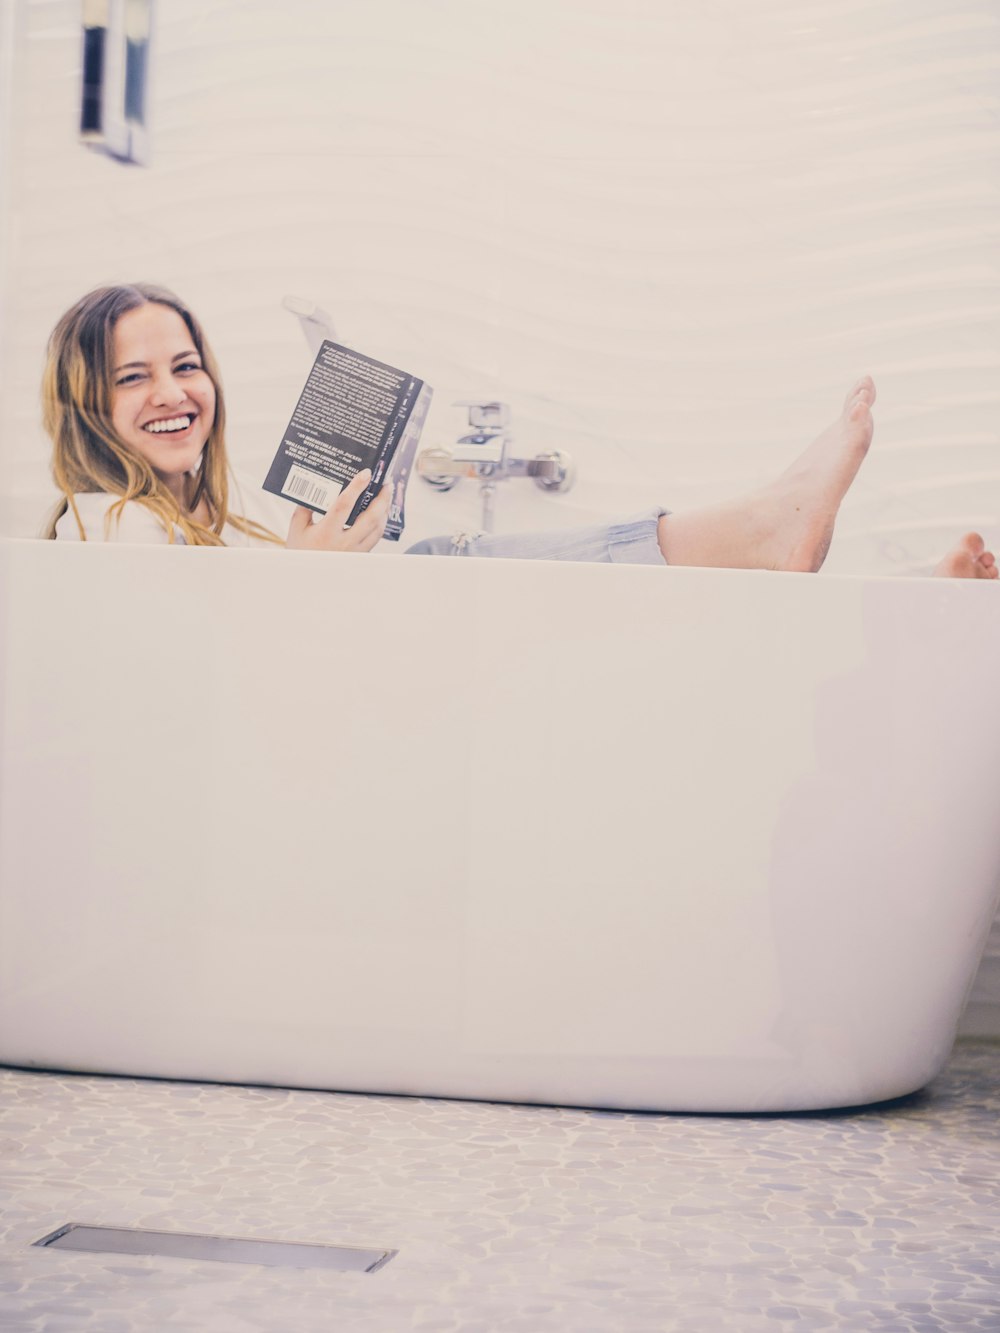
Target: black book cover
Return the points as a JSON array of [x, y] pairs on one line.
[[354, 412]]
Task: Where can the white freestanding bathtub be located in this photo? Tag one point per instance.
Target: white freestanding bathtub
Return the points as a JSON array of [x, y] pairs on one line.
[[600, 835]]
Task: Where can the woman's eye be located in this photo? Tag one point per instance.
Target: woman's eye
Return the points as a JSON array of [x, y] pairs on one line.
[[189, 366], [134, 378]]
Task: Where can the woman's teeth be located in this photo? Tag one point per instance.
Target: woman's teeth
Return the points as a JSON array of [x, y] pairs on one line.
[[172, 423]]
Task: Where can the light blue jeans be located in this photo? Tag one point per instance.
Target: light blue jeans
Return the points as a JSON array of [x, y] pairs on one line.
[[630, 541]]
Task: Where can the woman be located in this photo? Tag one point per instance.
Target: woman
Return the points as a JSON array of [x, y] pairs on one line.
[[133, 404]]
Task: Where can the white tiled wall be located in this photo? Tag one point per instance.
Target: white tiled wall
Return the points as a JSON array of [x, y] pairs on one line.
[[668, 235]]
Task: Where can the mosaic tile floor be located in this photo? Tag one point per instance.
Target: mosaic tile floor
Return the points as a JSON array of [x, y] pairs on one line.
[[505, 1217]]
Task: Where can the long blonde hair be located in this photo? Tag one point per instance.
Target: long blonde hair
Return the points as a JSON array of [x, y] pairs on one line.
[[88, 455]]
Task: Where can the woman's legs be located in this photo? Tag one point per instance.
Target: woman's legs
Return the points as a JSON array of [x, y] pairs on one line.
[[788, 524], [632, 541]]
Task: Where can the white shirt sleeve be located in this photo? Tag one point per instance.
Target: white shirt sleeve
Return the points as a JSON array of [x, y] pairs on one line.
[[135, 525]]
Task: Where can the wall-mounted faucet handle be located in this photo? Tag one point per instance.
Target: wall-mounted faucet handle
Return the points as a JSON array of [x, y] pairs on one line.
[[490, 416], [483, 454], [441, 470], [484, 449], [553, 471]]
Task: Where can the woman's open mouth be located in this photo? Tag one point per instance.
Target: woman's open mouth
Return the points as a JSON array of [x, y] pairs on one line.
[[173, 426]]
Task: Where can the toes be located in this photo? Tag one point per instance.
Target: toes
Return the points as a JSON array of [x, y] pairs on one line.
[[969, 559], [861, 391], [859, 411]]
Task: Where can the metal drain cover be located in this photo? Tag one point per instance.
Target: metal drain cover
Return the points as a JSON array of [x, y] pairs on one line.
[[227, 1249]]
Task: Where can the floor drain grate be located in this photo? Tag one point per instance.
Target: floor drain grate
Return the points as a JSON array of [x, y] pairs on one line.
[[226, 1249]]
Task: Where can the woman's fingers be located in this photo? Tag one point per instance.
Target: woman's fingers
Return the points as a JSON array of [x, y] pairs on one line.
[[300, 524], [331, 533], [339, 511], [372, 522], [369, 525]]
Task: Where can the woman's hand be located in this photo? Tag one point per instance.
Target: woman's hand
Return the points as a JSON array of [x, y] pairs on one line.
[[328, 533]]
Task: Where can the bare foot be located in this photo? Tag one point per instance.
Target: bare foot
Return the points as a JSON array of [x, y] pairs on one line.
[[968, 559], [789, 524]]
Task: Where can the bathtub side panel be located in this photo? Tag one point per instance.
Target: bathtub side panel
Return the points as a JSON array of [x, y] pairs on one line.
[[664, 839]]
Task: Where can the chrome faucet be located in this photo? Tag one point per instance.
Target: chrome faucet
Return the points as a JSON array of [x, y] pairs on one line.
[[485, 454]]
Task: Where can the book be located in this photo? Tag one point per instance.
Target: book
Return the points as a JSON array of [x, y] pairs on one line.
[[354, 412]]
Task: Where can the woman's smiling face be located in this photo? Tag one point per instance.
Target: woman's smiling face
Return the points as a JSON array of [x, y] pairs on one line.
[[162, 400]]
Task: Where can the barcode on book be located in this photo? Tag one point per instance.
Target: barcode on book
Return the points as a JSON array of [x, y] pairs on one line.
[[309, 487]]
